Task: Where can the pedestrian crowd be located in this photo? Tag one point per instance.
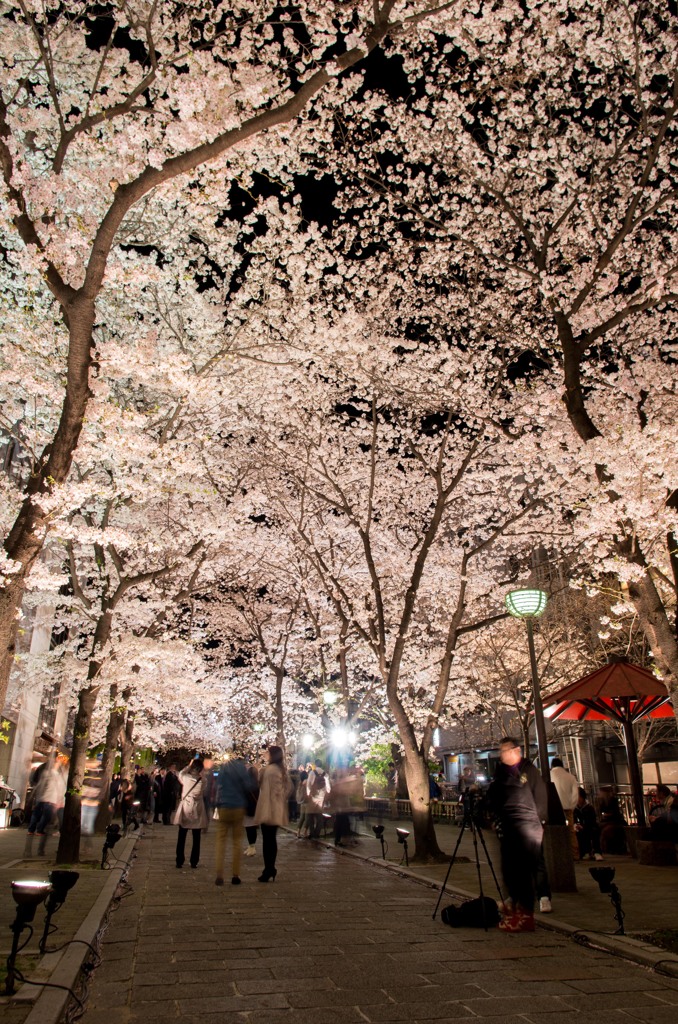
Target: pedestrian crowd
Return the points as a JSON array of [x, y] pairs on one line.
[[245, 800]]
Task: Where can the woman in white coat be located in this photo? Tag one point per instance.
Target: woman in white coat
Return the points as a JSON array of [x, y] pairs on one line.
[[272, 808], [190, 812]]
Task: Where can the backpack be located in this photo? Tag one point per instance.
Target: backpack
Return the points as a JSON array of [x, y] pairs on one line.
[[470, 914]]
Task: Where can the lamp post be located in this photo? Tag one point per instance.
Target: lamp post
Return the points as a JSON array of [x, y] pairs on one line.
[[528, 605]]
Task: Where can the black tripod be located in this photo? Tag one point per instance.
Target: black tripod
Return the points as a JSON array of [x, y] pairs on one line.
[[470, 822]]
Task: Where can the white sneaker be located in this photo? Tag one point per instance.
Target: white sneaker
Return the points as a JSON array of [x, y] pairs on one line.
[[545, 905], [597, 856], [250, 851]]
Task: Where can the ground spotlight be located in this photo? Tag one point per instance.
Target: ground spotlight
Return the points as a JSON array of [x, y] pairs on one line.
[[62, 882], [28, 896], [402, 834], [379, 833], [604, 876], [113, 836]]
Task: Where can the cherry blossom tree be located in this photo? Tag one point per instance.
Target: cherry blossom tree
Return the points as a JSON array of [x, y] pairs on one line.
[[390, 480], [156, 104], [530, 191]]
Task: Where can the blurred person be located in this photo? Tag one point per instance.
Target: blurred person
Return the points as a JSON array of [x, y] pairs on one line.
[[171, 790], [302, 801], [317, 792], [664, 819], [612, 821], [519, 800], [48, 795]]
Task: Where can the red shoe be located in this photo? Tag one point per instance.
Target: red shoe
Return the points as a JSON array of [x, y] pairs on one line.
[[520, 921]]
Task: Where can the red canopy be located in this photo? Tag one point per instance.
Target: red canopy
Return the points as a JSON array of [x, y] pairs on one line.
[[621, 691]]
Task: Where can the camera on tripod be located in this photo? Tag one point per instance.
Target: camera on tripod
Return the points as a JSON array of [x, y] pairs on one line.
[[469, 801]]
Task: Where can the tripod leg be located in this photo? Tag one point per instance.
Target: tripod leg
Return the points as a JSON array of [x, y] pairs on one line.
[[449, 867], [489, 861], [474, 831]]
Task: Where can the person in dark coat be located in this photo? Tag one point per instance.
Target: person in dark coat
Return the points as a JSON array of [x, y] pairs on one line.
[[587, 828], [142, 791], [518, 798], [171, 789]]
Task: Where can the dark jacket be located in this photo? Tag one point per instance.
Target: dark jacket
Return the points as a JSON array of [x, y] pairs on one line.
[[234, 783], [518, 799]]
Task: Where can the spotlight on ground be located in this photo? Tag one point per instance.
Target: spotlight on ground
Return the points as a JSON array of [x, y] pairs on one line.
[[402, 834], [62, 882], [113, 836], [28, 896], [379, 834]]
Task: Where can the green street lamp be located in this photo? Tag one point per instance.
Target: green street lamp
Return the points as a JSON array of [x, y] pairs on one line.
[[528, 605]]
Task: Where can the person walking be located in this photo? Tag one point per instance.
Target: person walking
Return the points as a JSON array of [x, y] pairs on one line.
[[48, 795], [567, 787], [317, 790], [272, 808], [190, 812], [234, 784], [302, 803], [519, 800]]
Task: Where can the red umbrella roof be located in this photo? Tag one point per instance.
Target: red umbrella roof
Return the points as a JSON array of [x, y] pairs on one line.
[[619, 690]]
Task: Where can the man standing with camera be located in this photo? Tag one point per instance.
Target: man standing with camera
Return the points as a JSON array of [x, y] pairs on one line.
[[519, 801]]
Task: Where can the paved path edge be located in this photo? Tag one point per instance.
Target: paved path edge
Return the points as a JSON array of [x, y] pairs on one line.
[[51, 1002], [619, 945]]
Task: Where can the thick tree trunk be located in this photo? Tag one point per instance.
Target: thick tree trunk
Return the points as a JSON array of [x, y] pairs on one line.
[[27, 536], [658, 629], [116, 720], [68, 851], [426, 849]]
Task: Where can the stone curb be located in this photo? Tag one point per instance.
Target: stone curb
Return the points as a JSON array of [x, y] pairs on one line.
[[51, 1002], [619, 945]]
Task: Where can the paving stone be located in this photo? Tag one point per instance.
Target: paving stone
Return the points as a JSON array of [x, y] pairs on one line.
[[611, 1000], [515, 1004], [303, 953], [655, 1014]]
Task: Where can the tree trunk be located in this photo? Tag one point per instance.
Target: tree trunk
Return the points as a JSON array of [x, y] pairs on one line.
[[27, 536], [116, 720], [426, 849], [279, 715], [657, 628], [68, 851], [127, 748]]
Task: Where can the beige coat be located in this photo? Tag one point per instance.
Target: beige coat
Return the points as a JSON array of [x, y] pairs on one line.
[[190, 812], [273, 797]]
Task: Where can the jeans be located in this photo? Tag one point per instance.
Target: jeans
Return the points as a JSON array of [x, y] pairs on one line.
[[195, 847], [270, 847], [41, 817], [230, 820]]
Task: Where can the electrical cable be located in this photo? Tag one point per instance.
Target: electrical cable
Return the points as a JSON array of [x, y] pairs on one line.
[[74, 1012], [48, 984]]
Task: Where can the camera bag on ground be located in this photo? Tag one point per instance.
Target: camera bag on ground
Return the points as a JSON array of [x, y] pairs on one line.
[[470, 914]]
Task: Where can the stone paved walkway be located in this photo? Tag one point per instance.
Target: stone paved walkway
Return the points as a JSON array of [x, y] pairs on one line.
[[336, 940]]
